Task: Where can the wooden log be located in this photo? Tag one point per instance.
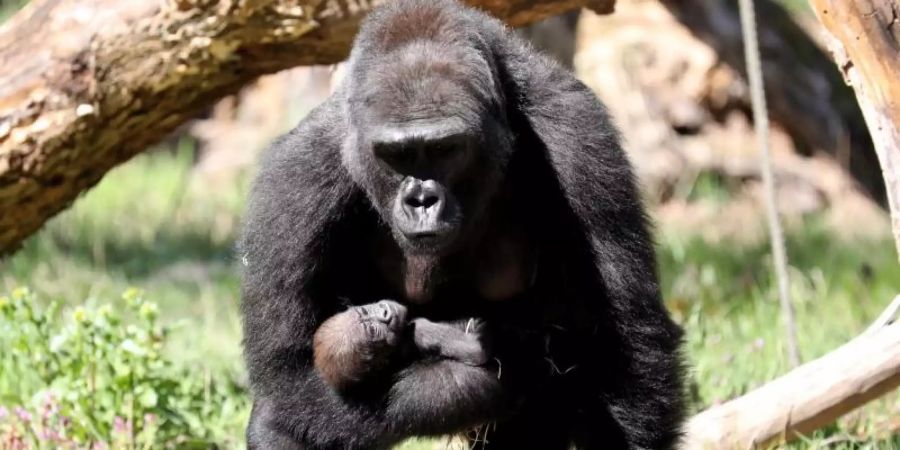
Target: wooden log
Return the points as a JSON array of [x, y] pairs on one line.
[[807, 398], [87, 84], [864, 37]]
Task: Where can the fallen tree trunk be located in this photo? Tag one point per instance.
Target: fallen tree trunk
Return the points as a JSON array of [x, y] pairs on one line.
[[87, 84], [864, 36], [805, 399]]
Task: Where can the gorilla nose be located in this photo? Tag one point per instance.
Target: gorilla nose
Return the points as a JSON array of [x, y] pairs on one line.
[[422, 198], [384, 314], [390, 312]]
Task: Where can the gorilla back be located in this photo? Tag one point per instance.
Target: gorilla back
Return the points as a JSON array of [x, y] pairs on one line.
[[462, 174]]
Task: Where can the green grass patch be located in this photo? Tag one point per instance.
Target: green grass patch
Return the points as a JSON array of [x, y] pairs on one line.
[[91, 379]]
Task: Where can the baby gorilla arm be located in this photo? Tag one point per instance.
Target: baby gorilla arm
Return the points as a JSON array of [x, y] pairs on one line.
[[460, 341], [360, 343], [455, 389]]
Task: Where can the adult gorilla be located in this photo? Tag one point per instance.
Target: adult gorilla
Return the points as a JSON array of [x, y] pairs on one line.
[[463, 175]]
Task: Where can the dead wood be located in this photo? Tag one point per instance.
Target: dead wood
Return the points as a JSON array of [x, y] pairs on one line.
[[87, 84], [805, 399], [864, 37]]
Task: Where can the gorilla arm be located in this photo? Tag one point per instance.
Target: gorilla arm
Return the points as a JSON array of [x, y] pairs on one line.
[[582, 146], [302, 195], [358, 347]]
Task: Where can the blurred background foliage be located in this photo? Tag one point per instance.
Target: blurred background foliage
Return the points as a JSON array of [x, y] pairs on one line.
[[165, 223], [9, 7]]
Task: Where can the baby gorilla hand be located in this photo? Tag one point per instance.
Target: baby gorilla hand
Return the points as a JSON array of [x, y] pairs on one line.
[[463, 341], [355, 344]]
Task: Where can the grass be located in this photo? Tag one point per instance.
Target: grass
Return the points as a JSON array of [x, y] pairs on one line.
[[151, 225], [726, 299], [145, 225]]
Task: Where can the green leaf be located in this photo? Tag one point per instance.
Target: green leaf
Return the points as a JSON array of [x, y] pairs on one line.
[[148, 398]]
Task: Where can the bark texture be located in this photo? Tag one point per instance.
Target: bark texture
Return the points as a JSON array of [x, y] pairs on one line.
[[864, 37], [87, 84]]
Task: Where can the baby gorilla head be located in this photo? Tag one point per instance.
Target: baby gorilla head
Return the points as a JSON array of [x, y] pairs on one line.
[[356, 343]]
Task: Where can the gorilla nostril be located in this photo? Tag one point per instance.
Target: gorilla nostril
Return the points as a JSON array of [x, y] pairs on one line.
[[429, 201], [384, 313], [422, 200], [413, 201]]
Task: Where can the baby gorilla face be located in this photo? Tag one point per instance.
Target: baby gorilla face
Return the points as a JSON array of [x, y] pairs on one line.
[[355, 344], [375, 325]]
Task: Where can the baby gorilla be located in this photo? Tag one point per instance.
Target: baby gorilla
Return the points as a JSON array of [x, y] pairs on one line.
[[361, 342]]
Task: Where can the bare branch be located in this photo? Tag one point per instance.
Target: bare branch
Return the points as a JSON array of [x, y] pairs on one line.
[[807, 398]]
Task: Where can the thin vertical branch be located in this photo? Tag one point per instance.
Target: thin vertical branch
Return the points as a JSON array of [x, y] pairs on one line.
[[761, 123]]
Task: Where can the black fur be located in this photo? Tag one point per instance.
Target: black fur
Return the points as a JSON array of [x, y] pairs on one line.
[[587, 353]]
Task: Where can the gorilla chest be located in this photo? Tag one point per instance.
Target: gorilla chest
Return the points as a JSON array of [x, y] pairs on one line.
[[505, 268], [502, 266]]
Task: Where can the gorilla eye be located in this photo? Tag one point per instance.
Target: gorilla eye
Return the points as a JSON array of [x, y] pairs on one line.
[[446, 148], [394, 155], [441, 149]]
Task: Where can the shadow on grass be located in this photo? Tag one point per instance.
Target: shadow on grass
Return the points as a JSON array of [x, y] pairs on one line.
[[135, 258]]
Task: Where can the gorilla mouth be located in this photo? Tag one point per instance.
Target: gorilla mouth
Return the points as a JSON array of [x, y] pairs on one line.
[[431, 239], [426, 235], [426, 238]]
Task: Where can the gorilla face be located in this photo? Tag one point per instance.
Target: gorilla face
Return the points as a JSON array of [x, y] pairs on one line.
[[425, 210], [430, 149]]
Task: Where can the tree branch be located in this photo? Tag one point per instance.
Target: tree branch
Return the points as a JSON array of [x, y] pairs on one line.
[[805, 399], [864, 37], [87, 84]]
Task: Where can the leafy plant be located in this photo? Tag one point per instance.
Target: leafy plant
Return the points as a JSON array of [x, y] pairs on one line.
[[92, 379]]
